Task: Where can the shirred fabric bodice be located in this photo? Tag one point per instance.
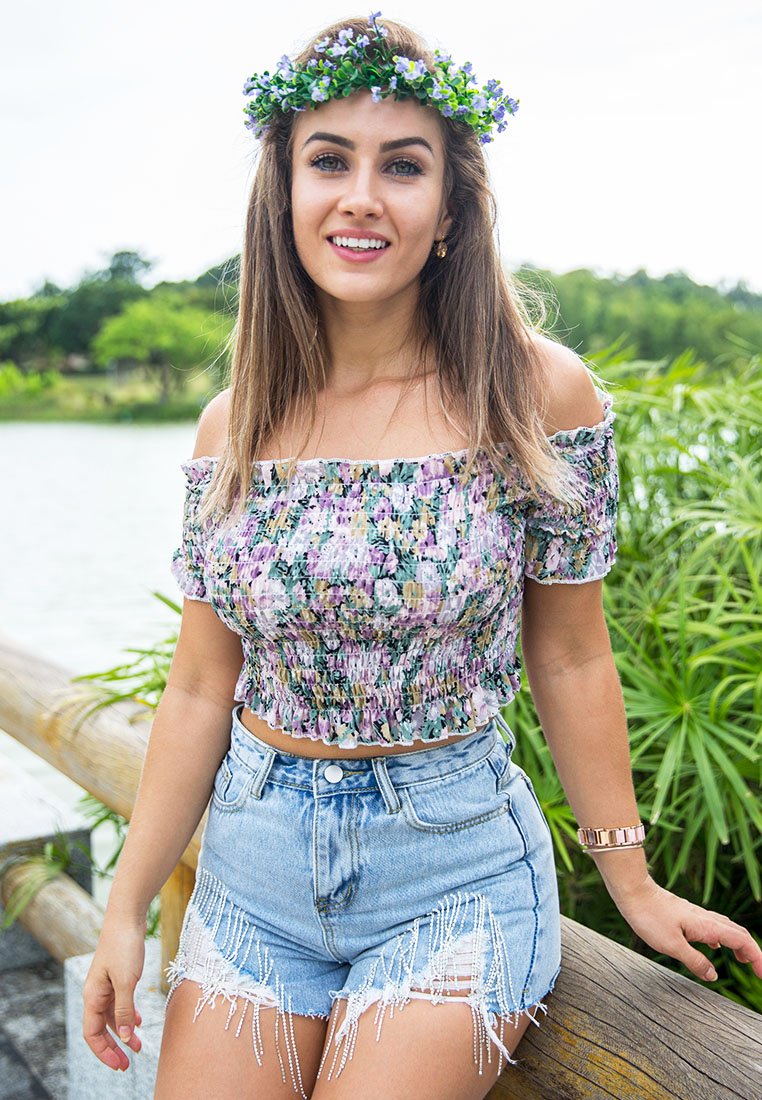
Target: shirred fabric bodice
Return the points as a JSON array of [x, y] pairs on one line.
[[378, 601]]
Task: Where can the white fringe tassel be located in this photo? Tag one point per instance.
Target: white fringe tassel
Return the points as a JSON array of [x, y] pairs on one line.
[[219, 970], [452, 953], [455, 963]]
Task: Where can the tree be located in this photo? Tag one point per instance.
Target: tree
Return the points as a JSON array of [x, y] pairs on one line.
[[165, 335]]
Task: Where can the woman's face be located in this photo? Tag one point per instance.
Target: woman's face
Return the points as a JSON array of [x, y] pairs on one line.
[[363, 169]]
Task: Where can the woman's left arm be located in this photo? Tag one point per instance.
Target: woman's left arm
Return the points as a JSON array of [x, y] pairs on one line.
[[566, 652]]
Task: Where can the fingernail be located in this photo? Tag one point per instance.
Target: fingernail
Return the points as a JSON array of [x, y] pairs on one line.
[[711, 974], [124, 1032]]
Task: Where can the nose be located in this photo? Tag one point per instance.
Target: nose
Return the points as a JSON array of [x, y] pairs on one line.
[[360, 197]]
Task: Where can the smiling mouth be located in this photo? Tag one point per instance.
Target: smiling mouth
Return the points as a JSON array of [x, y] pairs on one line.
[[359, 244]]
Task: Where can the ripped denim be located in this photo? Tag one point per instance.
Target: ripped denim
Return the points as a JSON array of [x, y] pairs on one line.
[[425, 874]]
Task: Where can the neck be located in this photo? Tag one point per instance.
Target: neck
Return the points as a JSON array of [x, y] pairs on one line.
[[368, 342]]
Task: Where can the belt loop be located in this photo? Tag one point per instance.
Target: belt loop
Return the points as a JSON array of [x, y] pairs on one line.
[[263, 771], [385, 785]]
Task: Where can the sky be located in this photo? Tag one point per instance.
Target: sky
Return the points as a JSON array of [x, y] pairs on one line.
[[636, 143]]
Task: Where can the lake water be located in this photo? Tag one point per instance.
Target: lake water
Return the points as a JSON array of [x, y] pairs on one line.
[[89, 517]]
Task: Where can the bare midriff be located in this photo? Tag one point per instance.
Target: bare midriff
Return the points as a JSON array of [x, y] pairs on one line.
[[304, 746]]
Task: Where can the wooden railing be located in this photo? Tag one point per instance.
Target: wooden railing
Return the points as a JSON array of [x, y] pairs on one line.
[[618, 1025]]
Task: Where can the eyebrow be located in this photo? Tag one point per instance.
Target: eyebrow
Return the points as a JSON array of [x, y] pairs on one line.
[[385, 147]]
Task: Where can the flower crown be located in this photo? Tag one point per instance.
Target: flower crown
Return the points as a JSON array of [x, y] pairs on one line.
[[348, 64]]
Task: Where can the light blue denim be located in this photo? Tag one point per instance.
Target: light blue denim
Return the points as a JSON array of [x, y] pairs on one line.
[[415, 874]]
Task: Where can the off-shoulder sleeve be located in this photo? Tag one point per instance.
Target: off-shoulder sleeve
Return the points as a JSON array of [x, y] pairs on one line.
[[187, 565], [567, 545]]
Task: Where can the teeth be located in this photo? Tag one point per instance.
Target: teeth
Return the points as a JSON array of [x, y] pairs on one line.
[[358, 242]]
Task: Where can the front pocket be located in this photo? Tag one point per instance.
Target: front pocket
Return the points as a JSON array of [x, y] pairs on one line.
[[460, 800], [232, 783]]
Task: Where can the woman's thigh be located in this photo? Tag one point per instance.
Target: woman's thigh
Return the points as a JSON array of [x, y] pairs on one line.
[[204, 1057], [423, 1053]]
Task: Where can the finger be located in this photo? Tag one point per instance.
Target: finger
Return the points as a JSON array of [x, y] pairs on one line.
[[134, 1041], [695, 961], [124, 1011], [101, 1043], [744, 946]]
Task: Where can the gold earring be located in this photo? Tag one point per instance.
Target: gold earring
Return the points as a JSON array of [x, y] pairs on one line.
[[441, 249]]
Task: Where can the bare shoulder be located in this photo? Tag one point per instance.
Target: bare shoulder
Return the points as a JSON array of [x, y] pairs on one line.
[[572, 399], [212, 428]]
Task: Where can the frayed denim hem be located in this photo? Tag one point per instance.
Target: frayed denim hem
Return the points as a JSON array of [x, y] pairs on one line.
[[200, 960], [454, 965], [454, 971]]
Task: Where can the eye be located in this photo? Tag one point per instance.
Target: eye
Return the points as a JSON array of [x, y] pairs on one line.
[[416, 168], [412, 168], [319, 161]]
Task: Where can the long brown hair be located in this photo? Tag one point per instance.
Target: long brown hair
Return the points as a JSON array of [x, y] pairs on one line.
[[472, 317]]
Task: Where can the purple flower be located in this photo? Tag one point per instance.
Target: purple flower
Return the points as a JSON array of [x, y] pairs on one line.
[[439, 91], [478, 103], [498, 113], [413, 70], [447, 110], [376, 93], [462, 110], [321, 45], [374, 16], [393, 83], [484, 139], [284, 65], [363, 41], [319, 95], [346, 34], [338, 51]]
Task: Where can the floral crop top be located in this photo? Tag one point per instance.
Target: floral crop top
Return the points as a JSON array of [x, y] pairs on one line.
[[378, 600]]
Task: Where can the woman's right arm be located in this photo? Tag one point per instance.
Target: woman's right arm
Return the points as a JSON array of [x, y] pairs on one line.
[[189, 736]]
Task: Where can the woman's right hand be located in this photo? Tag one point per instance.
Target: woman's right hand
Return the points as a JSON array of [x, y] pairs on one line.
[[109, 989]]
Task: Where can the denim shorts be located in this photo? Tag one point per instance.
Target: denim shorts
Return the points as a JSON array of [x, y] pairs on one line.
[[424, 874]]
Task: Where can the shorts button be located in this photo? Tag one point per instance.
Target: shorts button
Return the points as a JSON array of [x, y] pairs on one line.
[[334, 773]]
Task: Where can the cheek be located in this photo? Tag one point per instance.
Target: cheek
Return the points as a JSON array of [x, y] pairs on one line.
[[306, 219], [419, 216]]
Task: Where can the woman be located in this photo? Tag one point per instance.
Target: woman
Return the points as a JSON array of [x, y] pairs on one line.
[[350, 623]]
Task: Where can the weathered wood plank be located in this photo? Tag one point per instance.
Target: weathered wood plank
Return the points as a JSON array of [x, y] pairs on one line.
[[624, 1027], [43, 709], [62, 916]]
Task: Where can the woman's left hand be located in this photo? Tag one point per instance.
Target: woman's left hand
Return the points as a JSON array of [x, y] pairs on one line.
[[667, 923]]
